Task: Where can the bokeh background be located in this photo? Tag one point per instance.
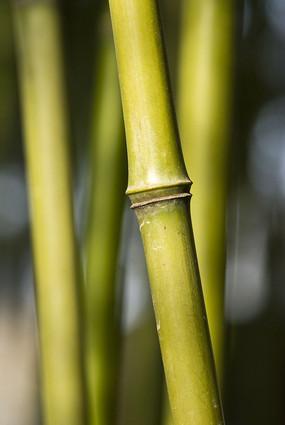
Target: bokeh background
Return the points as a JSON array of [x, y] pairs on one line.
[[254, 389]]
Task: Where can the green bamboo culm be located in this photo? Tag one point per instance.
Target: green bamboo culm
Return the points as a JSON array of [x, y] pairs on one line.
[[50, 190], [204, 115], [159, 191], [108, 167]]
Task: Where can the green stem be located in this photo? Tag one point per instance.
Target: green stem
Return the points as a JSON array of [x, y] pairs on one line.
[[108, 178], [205, 75], [159, 189], [55, 254]]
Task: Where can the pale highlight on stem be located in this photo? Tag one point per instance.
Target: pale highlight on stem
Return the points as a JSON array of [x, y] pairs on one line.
[[50, 190], [157, 179]]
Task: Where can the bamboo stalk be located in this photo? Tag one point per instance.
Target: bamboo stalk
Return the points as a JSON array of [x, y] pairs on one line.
[[159, 191], [7, 82], [205, 76], [50, 189], [108, 177]]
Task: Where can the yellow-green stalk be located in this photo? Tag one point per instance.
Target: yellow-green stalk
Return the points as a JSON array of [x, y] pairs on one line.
[[107, 182], [50, 190], [204, 115], [159, 190]]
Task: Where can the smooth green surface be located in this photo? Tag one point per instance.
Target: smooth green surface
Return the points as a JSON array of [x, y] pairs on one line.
[[180, 314], [204, 100], [156, 170], [108, 165], [55, 256], [148, 113]]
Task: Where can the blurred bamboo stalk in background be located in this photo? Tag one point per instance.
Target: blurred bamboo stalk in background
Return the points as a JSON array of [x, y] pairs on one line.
[[108, 168], [8, 99], [159, 191], [204, 114], [50, 187]]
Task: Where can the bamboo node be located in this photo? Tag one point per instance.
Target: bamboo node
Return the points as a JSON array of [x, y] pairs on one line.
[[160, 199]]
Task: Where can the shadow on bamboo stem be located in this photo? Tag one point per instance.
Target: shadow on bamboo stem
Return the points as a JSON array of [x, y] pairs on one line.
[[159, 190], [106, 201], [50, 190]]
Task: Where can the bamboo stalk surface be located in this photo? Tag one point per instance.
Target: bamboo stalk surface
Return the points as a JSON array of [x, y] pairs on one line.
[[159, 190]]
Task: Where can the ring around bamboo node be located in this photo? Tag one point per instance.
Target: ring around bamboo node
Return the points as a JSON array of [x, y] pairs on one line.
[[160, 199]]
